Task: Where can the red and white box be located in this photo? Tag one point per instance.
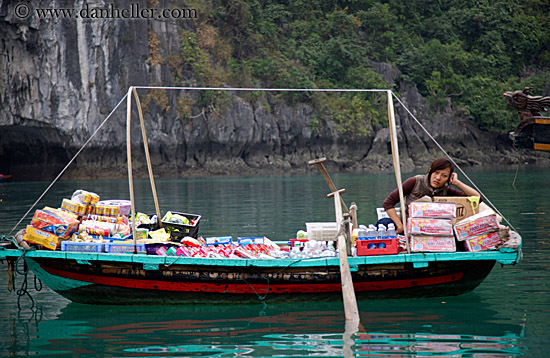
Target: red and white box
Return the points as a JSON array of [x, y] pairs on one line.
[[433, 244], [425, 226], [482, 223], [432, 210], [483, 242]]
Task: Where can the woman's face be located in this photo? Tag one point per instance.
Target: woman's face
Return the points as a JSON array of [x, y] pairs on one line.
[[440, 177]]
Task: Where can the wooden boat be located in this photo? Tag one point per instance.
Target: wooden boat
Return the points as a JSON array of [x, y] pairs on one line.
[[111, 278], [533, 131], [105, 278], [5, 178]]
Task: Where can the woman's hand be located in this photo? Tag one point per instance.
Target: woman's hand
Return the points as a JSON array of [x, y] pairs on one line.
[[399, 228], [454, 179], [469, 191]]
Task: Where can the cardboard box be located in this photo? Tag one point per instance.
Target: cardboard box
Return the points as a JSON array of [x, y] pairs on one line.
[[435, 227], [481, 223], [55, 221], [432, 210], [433, 244], [483, 242], [41, 237], [466, 206]]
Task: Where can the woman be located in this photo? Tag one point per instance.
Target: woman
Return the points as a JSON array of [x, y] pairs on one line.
[[436, 183]]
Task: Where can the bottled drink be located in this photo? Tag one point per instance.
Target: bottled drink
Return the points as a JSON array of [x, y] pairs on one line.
[[391, 232], [381, 234]]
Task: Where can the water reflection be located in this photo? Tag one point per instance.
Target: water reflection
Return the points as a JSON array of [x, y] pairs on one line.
[[253, 330]]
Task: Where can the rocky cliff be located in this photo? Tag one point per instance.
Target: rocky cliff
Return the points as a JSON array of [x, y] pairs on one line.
[[60, 78]]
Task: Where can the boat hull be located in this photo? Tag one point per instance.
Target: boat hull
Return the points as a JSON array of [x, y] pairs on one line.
[[111, 282]]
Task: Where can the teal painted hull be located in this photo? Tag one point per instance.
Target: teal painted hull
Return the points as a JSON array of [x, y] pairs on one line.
[[103, 278]]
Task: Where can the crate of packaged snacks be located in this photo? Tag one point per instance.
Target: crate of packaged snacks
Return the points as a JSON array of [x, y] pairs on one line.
[[181, 224], [74, 246], [124, 247]]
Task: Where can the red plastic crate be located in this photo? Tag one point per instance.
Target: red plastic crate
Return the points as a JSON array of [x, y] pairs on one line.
[[297, 242], [392, 247]]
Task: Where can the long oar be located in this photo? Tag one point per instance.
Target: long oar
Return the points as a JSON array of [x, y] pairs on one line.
[[348, 292], [319, 162], [353, 208]]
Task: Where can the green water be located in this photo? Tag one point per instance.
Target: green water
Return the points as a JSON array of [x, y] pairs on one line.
[[507, 316]]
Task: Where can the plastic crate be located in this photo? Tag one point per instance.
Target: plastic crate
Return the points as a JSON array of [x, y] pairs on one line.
[[181, 230], [297, 242], [151, 249], [82, 246], [372, 247], [321, 231], [123, 247]]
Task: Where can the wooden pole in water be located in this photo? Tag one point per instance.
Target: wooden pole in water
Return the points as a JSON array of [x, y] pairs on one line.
[[348, 292], [129, 156], [149, 167], [396, 166]]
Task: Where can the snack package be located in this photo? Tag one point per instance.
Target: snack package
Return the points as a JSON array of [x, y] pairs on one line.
[[475, 225], [85, 197], [124, 206], [424, 226], [433, 244], [73, 207], [432, 210], [55, 221], [41, 237], [98, 228], [483, 242]]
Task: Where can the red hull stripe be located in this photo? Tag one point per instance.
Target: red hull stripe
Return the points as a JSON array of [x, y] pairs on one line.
[[144, 284]]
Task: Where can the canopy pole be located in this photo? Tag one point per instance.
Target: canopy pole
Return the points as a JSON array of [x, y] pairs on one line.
[[129, 156], [397, 167], [146, 147]]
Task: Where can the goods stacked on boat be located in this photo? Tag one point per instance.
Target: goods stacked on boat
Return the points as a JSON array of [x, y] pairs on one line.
[[431, 227], [479, 232]]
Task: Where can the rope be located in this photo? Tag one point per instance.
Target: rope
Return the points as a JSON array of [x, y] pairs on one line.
[[23, 290], [451, 159], [67, 166], [262, 89]]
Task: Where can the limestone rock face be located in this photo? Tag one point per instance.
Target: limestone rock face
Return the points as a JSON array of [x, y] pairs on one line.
[[61, 78]]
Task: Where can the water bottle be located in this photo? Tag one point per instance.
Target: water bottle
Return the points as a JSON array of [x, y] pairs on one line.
[[371, 235], [391, 232], [381, 233]]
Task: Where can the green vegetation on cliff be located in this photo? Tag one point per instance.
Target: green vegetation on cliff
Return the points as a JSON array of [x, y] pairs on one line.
[[466, 52]]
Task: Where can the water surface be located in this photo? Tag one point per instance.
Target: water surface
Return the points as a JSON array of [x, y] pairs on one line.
[[508, 315]]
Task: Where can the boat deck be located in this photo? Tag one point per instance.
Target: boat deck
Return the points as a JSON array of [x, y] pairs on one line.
[[505, 256]]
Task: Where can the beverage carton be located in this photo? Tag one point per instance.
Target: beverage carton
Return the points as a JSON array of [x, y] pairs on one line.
[[425, 226], [483, 242], [433, 244], [432, 210], [481, 223]]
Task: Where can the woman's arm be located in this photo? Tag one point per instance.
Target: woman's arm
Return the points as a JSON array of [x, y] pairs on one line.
[[468, 190], [397, 221]]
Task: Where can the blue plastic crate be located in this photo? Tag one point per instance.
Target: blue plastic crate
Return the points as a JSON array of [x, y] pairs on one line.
[[82, 246], [124, 247]]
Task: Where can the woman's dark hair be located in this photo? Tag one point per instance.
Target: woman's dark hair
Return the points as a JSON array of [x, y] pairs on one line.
[[439, 164]]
